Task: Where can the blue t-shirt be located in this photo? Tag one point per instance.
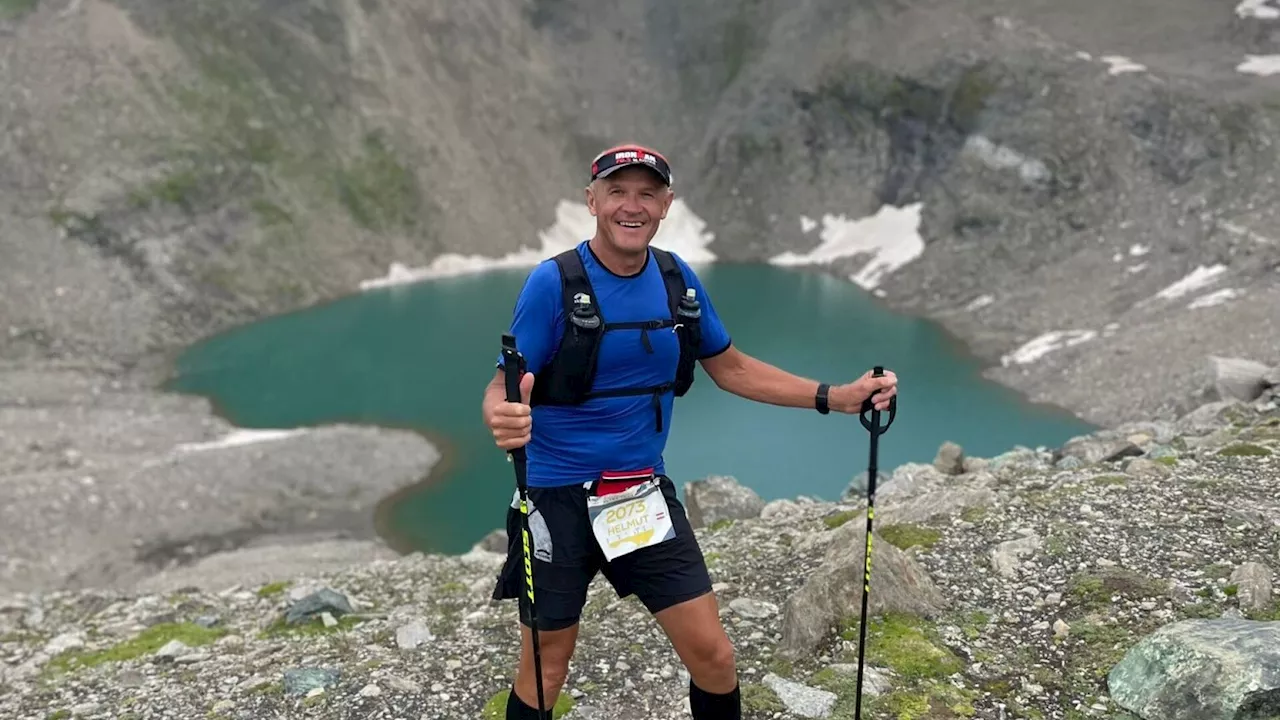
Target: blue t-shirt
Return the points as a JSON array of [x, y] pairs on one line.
[[574, 444]]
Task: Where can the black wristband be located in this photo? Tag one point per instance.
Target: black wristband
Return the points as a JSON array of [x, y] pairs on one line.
[[820, 399]]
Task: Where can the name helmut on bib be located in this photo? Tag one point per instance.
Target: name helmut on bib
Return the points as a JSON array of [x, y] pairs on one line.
[[634, 518]]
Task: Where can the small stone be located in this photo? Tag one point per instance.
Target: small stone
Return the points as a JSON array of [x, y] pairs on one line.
[[950, 459], [747, 607]]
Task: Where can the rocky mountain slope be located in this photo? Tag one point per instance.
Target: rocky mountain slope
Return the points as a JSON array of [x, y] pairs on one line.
[[178, 168], [1127, 574]]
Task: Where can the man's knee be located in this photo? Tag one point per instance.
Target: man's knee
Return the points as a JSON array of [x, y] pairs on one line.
[[555, 649]]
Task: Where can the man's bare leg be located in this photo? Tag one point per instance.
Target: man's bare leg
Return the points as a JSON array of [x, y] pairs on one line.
[[556, 648], [703, 646]]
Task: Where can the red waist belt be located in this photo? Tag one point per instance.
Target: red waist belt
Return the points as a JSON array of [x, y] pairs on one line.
[[615, 481]]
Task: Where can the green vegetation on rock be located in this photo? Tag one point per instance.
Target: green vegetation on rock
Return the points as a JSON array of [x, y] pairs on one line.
[[907, 535], [12, 9], [1244, 450], [144, 643], [496, 708]]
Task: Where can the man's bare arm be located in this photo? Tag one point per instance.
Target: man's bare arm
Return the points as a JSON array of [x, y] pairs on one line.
[[753, 379], [737, 372]]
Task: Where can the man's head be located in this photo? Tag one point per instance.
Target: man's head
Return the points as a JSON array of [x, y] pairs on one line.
[[629, 195]]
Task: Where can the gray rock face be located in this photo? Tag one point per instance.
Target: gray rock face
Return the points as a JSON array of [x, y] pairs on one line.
[[834, 589], [950, 459], [1239, 378], [1223, 669], [1253, 585], [720, 498], [1094, 449], [801, 699]]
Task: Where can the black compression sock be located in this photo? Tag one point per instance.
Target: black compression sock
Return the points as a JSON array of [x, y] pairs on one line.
[[517, 710], [712, 706]]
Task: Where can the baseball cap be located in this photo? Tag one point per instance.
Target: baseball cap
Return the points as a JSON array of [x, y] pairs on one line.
[[615, 158]]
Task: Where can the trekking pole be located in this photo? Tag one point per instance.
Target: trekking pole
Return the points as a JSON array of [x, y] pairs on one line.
[[513, 362], [872, 471]]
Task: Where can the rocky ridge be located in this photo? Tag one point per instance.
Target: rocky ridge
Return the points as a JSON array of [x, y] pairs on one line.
[[177, 173], [1020, 586]]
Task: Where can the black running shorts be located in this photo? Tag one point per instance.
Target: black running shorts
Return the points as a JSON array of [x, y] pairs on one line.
[[659, 576]]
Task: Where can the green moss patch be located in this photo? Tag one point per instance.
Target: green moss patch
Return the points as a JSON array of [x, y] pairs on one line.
[[837, 519], [907, 535], [496, 708], [906, 644], [12, 9], [144, 643], [1244, 450], [272, 589], [1093, 590], [760, 701]]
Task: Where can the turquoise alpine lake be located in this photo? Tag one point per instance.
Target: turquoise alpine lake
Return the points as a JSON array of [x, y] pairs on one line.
[[418, 356]]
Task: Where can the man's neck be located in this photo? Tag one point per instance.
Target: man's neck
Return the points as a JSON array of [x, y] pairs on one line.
[[615, 262]]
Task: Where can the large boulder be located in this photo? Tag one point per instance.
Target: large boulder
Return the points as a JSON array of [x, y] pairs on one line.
[[1238, 378], [1206, 669], [720, 498], [833, 591]]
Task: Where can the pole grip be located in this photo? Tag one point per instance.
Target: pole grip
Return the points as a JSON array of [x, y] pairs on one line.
[[513, 363]]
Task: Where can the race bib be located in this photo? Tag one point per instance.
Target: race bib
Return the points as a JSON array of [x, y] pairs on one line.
[[634, 518]]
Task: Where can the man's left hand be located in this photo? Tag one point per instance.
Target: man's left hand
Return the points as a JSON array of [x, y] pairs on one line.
[[848, 398]]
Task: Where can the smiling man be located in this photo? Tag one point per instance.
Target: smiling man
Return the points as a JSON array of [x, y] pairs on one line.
[[611, 330]]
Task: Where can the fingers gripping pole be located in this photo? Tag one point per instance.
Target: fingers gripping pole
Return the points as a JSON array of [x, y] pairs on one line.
[[873, 425], [514, 366]]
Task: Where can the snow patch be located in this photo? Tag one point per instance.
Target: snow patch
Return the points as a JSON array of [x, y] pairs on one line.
[[1139, 250], [1135, 269], [1246, 232], [891, 236], [1002, 157], [236, 438], [1260, 65], [979, 302], [1260, 9], [1199, 278], [682, 232], [1214, 298], [1038, 347], [807, 223], [1120, 64]]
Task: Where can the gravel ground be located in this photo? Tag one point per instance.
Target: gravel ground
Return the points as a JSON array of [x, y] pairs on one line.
[[103, 484], [1051, 564]]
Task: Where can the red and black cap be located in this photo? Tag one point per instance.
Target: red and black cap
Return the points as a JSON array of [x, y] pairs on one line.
[[615, 158]]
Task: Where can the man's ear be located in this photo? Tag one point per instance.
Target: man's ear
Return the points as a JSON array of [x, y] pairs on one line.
[[590, 199], [666, 204]]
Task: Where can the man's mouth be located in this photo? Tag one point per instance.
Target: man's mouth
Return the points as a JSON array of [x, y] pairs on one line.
[[633, 224]]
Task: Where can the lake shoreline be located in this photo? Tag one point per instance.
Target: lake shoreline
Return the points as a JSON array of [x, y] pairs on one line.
[[111, 481]]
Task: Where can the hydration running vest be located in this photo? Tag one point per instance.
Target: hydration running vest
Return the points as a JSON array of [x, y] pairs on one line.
[[569, 375]]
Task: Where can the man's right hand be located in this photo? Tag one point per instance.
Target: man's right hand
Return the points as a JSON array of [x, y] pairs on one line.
[[512, 423]]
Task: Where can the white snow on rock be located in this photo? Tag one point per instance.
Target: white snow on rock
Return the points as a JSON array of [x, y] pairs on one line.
[[1120, 64], [682, 232], [1259, 9], [891, 237], [239, 437], [1214, 298], [1198, 279], [1040, 346], [1260, 65]]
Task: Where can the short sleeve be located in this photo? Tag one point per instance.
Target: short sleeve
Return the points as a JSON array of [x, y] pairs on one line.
[[535, 319], [715, 337]]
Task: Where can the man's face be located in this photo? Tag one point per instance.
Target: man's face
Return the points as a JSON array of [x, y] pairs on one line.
[[628, 206]]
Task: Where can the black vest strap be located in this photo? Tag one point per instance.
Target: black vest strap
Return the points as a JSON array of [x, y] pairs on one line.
[[568, 377]]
